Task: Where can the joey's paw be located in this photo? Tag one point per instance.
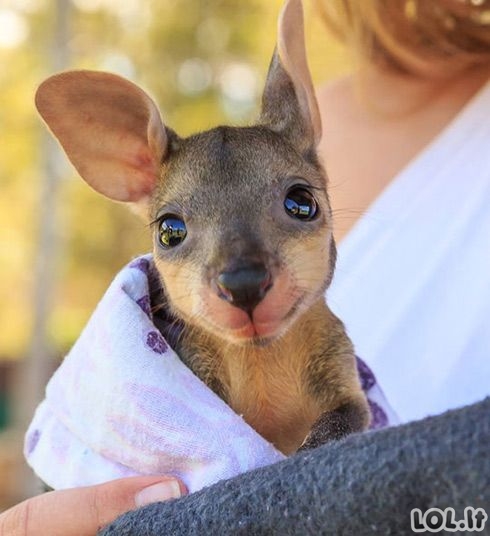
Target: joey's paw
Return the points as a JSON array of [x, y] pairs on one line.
[[333, 425], [312, 442], [327, 428]]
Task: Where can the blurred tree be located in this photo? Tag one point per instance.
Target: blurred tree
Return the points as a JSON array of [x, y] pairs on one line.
[[37, 366]]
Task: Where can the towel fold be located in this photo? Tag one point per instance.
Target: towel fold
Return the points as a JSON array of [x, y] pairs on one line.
[[123, 404]]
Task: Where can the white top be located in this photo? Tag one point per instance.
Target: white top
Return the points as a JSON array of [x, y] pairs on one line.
[[413, 276]]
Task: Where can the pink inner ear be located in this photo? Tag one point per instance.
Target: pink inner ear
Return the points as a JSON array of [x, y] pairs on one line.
[[146, 165], [128, 179], [110, 129]]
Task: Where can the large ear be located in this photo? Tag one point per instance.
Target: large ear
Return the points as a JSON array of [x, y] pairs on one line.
[[289, 104], [109, 128]]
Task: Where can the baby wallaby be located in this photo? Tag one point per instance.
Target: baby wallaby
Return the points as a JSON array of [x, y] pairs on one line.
[[243, 240]]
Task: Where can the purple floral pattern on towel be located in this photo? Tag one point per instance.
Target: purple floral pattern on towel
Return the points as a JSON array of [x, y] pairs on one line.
[[379, 418], [365, 375], [156, 342], [145, 304], [141, 264], [32, 441]]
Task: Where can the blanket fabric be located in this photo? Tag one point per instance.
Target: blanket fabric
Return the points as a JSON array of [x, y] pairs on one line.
[[123, 404], [364, 485]]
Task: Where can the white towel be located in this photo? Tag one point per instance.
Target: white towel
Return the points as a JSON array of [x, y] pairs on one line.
[[123, 404]]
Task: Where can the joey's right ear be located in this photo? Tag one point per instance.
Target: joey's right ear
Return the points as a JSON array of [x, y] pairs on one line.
[[289, 104], [110, 129]]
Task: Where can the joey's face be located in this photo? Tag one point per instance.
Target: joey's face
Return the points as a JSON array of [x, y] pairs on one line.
[[241, 219], [242, 232]]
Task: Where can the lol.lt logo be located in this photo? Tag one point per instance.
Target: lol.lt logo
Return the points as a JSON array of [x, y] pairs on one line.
[[435, 520]]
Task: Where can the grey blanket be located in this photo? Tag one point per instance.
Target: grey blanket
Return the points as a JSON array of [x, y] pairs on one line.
[[366, 484]]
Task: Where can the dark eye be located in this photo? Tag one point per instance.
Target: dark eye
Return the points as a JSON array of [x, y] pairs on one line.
[[300, 204], [171, 231]]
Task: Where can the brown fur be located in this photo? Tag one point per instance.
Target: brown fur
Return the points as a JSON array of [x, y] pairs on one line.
[[281, 389], [286, 364]]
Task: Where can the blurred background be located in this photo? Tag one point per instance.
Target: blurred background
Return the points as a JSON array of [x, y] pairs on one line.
[[204, 61]]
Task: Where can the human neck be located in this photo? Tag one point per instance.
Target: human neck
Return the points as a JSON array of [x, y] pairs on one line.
[[389, 94], [387, 119]]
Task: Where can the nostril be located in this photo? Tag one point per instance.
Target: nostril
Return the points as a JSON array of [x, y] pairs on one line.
[[224, 292], [266, 283]]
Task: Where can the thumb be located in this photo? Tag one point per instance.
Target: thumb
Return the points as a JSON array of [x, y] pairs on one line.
[[83, 511]]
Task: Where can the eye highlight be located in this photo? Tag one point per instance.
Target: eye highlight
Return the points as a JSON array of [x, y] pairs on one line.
[[171, 231], [300, 204]]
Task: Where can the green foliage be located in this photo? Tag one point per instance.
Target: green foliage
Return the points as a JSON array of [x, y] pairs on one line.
[[203, 60]]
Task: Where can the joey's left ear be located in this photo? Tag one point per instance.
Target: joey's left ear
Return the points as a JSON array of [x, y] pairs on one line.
[[289, 104], [110, 129]]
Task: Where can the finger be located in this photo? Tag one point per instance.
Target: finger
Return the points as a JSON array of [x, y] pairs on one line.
[[83, 511]]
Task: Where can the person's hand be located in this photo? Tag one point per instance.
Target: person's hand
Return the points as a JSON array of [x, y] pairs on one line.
[[83, 511]]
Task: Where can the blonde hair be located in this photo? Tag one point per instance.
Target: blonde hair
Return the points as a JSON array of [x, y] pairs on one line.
[[421, 37]]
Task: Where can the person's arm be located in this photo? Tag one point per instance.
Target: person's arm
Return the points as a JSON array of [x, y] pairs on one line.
[[365, 484], [83, 511]]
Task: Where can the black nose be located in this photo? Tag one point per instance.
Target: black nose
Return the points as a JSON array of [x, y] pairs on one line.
[[244, 287]]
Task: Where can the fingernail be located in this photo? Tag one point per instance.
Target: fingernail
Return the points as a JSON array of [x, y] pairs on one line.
[[169, 489]]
